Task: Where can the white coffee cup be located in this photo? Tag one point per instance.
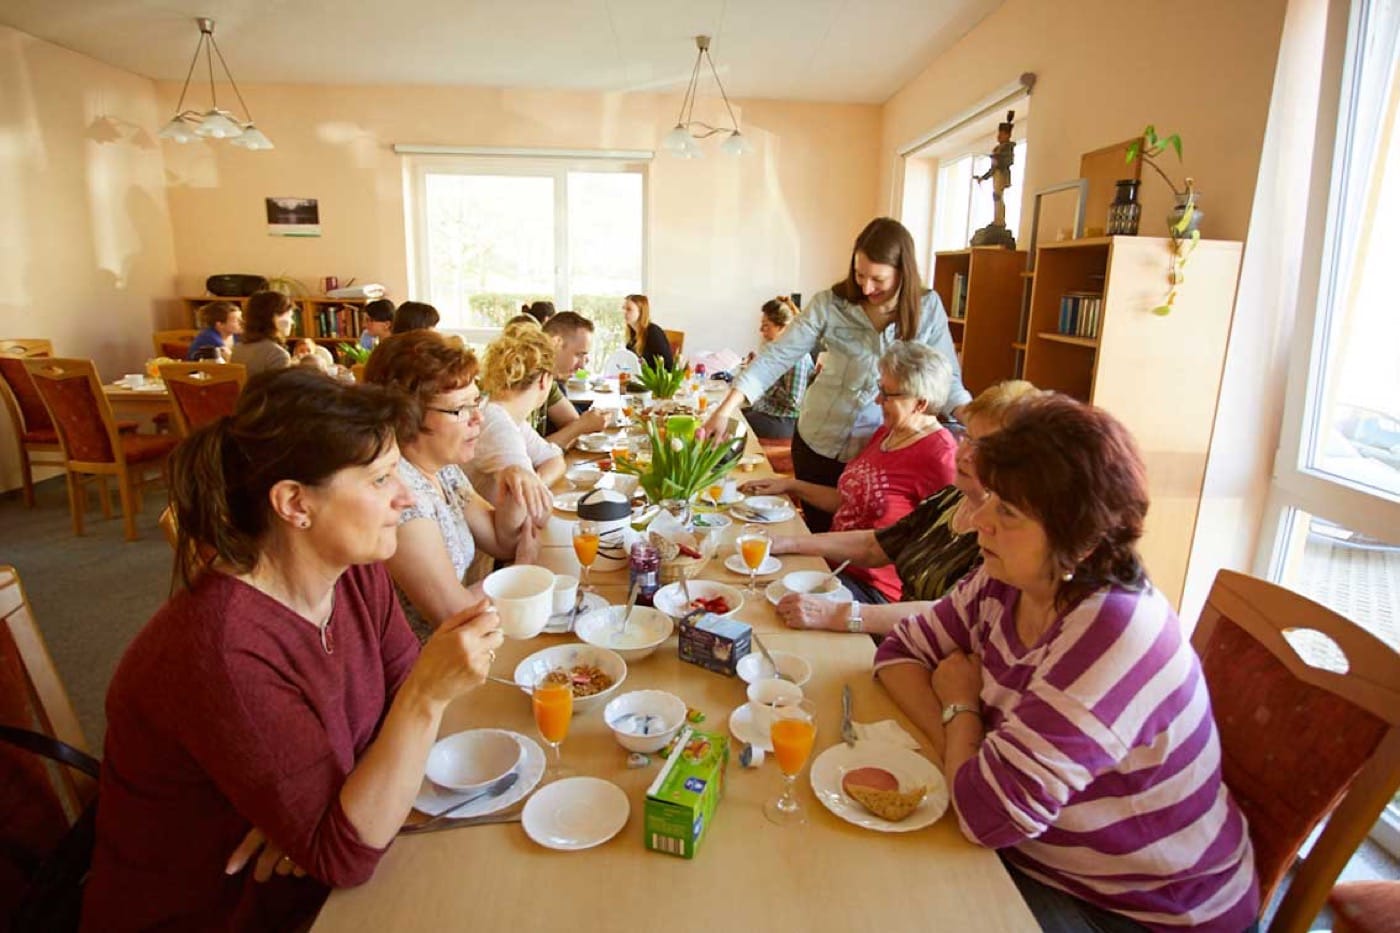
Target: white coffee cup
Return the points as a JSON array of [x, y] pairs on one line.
[[134, 380], [565, 591], [767, 695], [523, 597]]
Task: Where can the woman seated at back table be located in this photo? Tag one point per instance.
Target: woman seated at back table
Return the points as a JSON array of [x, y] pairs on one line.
[[1066, 704], [517, 374], [279, 706], [267, 320], [644, 338], [932, 548], [440, 531], [910, 457]]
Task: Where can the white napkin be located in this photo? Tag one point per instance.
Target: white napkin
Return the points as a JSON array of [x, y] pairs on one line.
[[887, 730]]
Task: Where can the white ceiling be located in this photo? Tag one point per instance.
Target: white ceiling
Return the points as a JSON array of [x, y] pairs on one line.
[[820, 50]]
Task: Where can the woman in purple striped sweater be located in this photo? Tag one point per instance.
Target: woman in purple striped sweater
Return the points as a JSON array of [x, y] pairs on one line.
[[1065, 701]]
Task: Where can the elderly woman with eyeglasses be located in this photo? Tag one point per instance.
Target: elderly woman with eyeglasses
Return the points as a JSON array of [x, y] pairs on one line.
[[439, 533], [910, 458]]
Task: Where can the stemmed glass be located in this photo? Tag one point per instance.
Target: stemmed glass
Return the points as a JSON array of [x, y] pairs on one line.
[[587, 536], [754, 544], [553, 706], [793, 732]]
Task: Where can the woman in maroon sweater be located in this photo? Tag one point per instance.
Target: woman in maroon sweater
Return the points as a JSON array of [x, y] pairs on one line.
[[279, 706]]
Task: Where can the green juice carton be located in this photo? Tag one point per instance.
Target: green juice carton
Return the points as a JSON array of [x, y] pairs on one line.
[[681, 802]]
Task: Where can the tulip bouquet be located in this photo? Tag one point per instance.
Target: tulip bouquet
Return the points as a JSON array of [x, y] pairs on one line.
[[681, 465]]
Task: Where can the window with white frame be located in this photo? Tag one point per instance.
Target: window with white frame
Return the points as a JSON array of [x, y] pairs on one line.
[[491, 233], [1333, 519], [962, 205]]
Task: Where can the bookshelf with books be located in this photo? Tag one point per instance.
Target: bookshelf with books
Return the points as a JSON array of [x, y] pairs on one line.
[[1159, 375], [981, 291], [328, 321]]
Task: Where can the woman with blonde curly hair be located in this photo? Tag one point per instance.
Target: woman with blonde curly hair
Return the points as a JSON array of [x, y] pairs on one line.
[[517, 371], [439, 534]]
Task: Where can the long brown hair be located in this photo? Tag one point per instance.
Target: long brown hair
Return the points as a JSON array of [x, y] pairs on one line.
[[884, 240], [639, 333], [290, 424], [260, 314]]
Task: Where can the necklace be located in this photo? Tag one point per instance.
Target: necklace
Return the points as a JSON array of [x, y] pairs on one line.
[[892, 443]]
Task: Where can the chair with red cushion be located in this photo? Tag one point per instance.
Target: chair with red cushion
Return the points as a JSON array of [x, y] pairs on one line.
[[1299, 743], [173, 344], [93, 447], [779, 453], [202, 392]]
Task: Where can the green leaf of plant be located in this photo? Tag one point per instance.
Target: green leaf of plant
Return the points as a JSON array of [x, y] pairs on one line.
[[1162, 310], [1151, 133], [1134, 150], [1174, 140]]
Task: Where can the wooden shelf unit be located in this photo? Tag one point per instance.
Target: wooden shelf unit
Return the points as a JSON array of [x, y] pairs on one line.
[[1160, 376], [985, 332], [307, 315]]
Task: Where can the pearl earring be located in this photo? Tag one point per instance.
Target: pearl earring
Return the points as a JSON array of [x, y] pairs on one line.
[[1067, 576]]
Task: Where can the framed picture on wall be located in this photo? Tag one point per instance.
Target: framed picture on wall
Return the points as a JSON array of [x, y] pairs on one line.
[[293, 217]]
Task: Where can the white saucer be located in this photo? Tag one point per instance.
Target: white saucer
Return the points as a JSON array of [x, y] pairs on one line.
[[777, 510], [733, 497], [776, 591], [770, 565], [909, 768], [568, 501], [744, 729], [599, 443], [559, 623], [576, 813], [433, 800]]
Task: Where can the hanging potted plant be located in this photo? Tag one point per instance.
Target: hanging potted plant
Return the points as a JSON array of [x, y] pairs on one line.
[[1183, 223]]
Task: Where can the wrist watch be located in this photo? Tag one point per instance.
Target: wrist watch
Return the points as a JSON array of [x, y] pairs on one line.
[[952, 709], [853, 623]]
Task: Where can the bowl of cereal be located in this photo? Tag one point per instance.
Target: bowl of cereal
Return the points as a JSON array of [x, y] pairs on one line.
[[594, 672]]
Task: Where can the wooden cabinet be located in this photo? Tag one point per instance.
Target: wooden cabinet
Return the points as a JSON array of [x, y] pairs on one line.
[[981, 291], [328, 321], [1159, 375]]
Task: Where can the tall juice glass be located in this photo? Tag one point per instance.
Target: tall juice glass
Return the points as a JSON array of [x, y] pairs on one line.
[[753, 544], [553, 706], [793, 732], [587, 537]]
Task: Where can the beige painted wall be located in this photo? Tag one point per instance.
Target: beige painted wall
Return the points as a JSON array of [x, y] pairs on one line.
[[724, 234], [87, 258]]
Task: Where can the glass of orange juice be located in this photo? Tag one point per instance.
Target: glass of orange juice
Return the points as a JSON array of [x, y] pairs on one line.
[[587, 537], [793, 732], [753, 545], [553, 706]]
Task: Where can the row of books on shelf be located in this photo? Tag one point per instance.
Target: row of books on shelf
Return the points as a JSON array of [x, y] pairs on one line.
[[1080, 314], [339, 321], [959, 309]]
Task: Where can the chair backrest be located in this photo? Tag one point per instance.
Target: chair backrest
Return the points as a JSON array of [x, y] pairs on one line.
[[622, 361], [80, 411], [174, 344], [26, 408], [358, 371], [676, 338], [202, 392], [40, 800], [1299, 742]]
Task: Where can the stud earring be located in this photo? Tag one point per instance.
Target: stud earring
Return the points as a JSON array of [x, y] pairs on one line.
[[305, 523], [1067, 576]]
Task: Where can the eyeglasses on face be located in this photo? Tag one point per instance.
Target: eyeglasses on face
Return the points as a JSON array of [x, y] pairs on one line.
[[463, 413], [881, 393]]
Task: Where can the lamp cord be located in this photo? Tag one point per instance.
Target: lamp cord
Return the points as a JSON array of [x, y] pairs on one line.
[[180, 107]]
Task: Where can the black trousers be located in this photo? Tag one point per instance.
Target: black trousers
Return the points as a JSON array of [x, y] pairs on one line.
[[812, 467], [770, 426]]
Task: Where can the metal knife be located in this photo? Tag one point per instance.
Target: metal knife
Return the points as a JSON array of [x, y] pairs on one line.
[[848, 732], [434, 825], [573, 613]]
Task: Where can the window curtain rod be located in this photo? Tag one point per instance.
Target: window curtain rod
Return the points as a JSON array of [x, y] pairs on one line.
[[1010, 93], [632, 155]]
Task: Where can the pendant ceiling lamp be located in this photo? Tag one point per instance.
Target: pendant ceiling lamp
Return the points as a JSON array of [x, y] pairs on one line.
[[681, 141], [213, 123]]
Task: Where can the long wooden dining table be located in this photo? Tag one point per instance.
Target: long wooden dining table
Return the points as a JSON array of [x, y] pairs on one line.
[[749, 874]]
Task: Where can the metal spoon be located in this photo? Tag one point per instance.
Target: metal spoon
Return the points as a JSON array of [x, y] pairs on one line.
[[837, 572], [769, 658]]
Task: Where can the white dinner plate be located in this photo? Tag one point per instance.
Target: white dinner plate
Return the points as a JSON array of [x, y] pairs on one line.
[[576, 813], [559, 623], [770, 565], [910, 768], [568, 501], [775, 510], [744, 729], [433, 800], [776, 591]]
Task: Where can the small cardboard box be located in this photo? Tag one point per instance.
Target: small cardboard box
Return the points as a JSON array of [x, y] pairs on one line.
[[681, 802], [716, 643]]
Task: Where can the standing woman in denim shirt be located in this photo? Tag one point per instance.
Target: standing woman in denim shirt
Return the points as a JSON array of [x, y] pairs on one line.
[[881, 300]]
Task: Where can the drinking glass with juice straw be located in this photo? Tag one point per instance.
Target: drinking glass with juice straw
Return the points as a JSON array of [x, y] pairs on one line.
[[754, 544], [793, 733], [553, 706], [587, 537]]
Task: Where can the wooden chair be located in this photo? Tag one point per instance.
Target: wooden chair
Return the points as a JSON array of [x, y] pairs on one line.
[[676, 338], [1299, 744], [174, 344], [38, 442], [41, 800], [202, 392], [93, 447]]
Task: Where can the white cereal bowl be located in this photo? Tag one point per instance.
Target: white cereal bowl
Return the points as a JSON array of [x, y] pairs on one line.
[[811, 583], [471, 761], [646, 630], [665, 714], [566, 657], [583, 475], [754, 667], [670, 599]]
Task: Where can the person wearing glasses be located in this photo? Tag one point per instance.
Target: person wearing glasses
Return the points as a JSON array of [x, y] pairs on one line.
[[517, 374], [441, 531], [855, 321], [909, 458], [931, 548]]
